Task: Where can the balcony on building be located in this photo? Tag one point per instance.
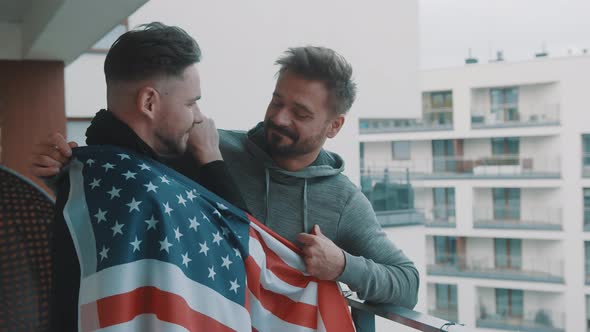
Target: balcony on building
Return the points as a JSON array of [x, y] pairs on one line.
[[442, 301], [437, 206], [515, 106], [519, 310], [392, 198], [586, 155], [495, 258], [476, 158], [516, 208], [437, 114]]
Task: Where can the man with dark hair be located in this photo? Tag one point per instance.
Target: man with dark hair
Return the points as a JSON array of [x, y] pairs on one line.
[[296, 188], [153, 86]]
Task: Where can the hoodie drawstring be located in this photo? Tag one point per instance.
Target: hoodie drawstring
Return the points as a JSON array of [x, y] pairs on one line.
[[267, 198]]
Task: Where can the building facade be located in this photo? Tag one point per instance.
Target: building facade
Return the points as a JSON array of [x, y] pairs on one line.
[[498, 164]]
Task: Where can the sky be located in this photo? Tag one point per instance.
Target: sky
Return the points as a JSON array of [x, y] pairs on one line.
[[448, 28]]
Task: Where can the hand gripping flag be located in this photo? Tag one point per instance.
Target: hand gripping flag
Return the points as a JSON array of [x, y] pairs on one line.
[[158, 252]]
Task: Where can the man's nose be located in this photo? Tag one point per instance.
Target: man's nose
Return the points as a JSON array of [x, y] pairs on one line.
[[198, 117], [282, 117]]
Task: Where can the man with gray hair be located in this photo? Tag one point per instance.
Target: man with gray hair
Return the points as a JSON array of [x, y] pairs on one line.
[[295, 187]]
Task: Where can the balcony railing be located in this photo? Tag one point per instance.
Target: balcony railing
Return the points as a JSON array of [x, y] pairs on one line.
[[364, 318], [450, 314], [397, 218], [404, 125], [453, 167], [533, 269], [513, 115], [507, 218], [542, 320], [440, 216], [587, 219], [586, 165]]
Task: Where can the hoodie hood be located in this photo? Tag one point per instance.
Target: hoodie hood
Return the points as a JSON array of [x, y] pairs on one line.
[[326, 164]]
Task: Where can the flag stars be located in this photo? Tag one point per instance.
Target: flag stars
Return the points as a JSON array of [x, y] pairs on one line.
[[90, 162], [224, 231], [151, 222], [237, 252], [165, 245], [135, 244], [104, 253], [114, 192], [151, 187], [129, 175], [117, 229], [194, 223], [167, 208], [217, 238], [124, 156], [181, 200], [211, 273], [205, 216], [215, 212], [100, 216], [107, 167], [133, 205], [234, 286], [190, 196], [186, 259], [95, 183], [226, 262], [204, 248], [221, 207], [144, 167], [177, 234], [164, 179]]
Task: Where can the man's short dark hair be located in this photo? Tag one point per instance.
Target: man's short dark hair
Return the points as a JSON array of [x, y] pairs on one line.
[[323, 64], [152, 50]]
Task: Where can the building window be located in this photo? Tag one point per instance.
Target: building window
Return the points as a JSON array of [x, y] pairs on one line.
[[445, 250], [444, 203], [509, 302], [504, 103], [586, 154], [104, 44], [508, 253], [587, 260], [505, 146], [446, 297], [586, 207], [400, 150], [506, 203]]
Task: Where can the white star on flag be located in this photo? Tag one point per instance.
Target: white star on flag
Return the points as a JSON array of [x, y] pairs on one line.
[[222, 207], [177, 234], [135, 244], [164, 245], [103, 253], [167, 208], [114, 192], [164, 179], [129, 175], [151, 187], [226, 262], [95, 183], [237, 252], [89, 162], [211, 273], [108, 166], [194, 223], [144, 167], [124, 156], [181, 200], [101, 216], [205, 216], [151, 222], [215, 212], [133, 205], [204, 248], [217, 238], [185, 259], [234, 286], [224, 230], [190, 195], [117, 228]]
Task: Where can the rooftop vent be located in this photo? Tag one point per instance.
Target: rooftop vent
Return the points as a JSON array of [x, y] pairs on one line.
[[470, 59]]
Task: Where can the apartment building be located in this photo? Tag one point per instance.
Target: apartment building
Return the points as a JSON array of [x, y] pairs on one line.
[[499, 167]]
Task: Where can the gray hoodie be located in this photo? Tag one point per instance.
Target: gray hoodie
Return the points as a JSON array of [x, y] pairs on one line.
[[292, 202]]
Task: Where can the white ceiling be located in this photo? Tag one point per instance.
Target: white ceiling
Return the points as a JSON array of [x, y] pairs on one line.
[[13, 11]]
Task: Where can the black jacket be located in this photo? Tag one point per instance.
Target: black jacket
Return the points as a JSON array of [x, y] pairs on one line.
[[106, 129]]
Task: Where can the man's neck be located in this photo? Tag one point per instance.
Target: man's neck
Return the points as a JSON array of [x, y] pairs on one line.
[[294, 164]]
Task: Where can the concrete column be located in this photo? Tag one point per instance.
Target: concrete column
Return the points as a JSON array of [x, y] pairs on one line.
[[31, 107]]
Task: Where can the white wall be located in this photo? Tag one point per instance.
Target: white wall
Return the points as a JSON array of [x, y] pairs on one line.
[[85, 86]]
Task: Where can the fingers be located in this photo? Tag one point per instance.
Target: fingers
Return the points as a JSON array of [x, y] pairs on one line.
[[73, 144], [44, 171], [62, 146], [305, 238]]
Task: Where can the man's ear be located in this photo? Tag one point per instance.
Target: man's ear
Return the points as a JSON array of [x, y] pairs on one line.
[[148, 101], [335, 126]]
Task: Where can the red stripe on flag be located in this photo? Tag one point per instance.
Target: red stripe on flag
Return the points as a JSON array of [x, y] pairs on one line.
[[168, 307], [333, 308], [281, 269], [281, 306]]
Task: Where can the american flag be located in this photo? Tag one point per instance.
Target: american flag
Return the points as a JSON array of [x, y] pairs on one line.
[[158, 252]]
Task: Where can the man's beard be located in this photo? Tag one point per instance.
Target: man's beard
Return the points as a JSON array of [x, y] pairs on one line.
[[174, 146], [296, 148]]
